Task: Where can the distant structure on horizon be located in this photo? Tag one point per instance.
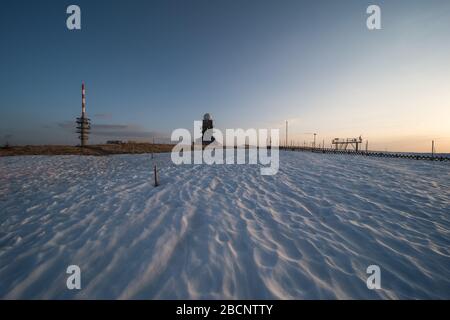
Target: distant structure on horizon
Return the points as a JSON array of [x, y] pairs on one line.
[[115, 142], [343, 144], [207, 125], [83, 123]]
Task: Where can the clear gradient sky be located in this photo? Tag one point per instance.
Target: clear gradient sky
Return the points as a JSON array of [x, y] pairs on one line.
[[153, 66]]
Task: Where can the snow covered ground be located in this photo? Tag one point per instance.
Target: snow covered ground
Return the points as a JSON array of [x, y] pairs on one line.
[[225, 231]]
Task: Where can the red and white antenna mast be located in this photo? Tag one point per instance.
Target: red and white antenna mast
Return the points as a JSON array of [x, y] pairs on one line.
[[83, 123], [83, 100]]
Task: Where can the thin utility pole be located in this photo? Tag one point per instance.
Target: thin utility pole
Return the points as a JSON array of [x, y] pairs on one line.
[[286, 145], [432, 149]]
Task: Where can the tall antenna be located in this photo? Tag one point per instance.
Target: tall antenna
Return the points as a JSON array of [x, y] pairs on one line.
[[83, 100], [286, 134], [83, 123]]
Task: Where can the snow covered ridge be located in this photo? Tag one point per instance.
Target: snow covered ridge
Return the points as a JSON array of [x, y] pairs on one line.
[[213, 154], [224, 231]]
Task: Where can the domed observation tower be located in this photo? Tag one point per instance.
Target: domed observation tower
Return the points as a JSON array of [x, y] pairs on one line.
[[207, 124]]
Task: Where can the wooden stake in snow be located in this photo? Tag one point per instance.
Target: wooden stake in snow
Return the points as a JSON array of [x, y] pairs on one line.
[[155, 173]]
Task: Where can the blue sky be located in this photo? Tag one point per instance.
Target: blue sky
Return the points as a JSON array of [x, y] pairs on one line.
[[153, 66]]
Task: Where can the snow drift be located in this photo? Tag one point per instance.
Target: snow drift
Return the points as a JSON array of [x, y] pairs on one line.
[[224, 231]]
